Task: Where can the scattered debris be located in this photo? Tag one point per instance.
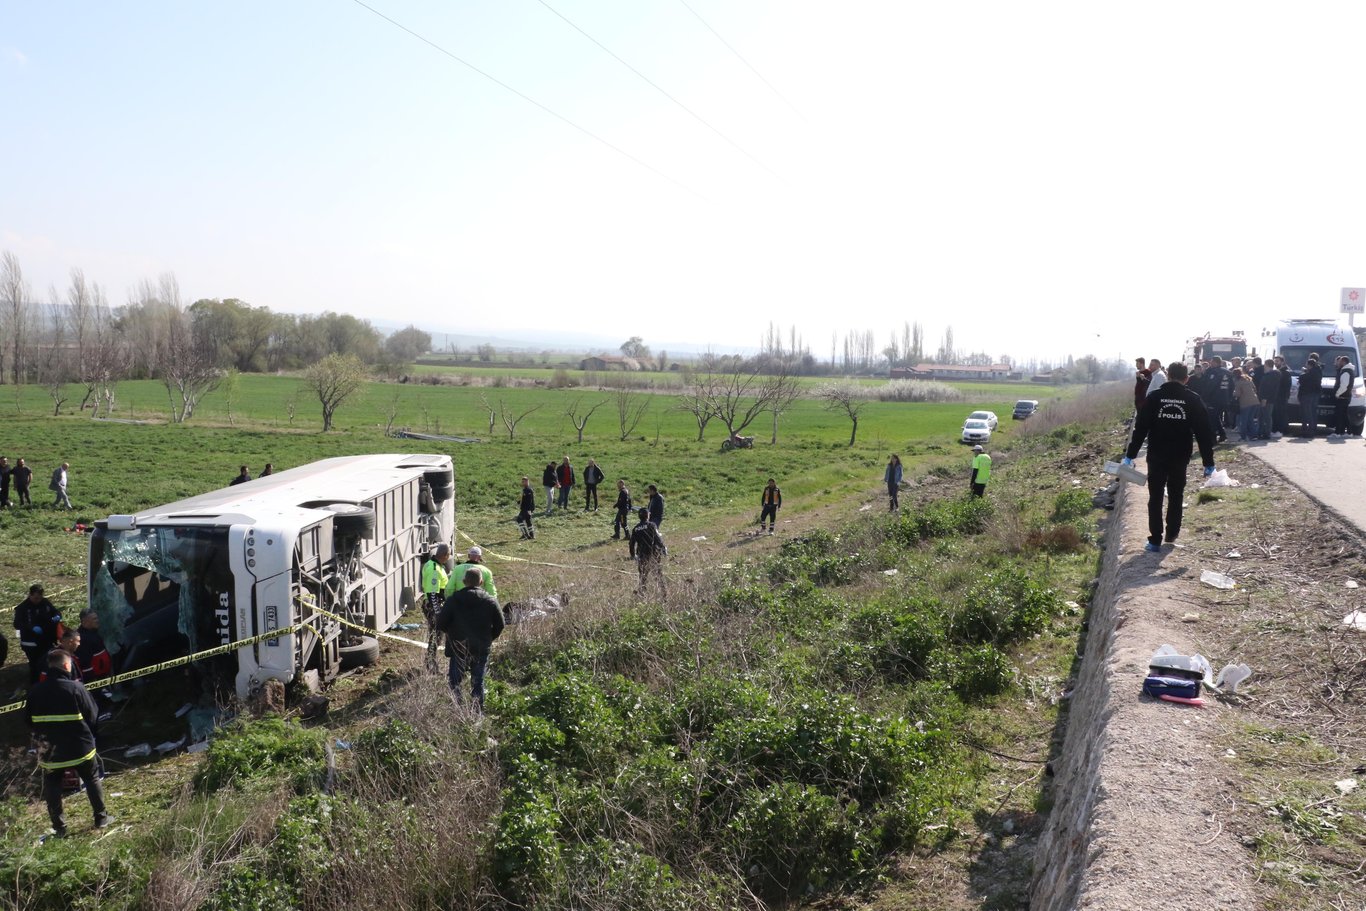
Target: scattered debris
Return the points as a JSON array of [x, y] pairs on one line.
[[184, 710], [433, 437], [890, 572], [1221, 479], [1231, 676], [1191, 617], [1217, 580], [1351, 583], [1235, 555], [170, 746], [1346, 785], [1356, 619], [141, 749], [199, 747], [698, 538], [407, 626]]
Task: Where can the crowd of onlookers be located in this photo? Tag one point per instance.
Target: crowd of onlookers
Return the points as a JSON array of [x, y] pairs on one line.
[[19, 478], [1258, 398]]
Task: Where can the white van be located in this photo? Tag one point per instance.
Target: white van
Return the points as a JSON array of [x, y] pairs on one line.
[[346, 535], [1296, 339]]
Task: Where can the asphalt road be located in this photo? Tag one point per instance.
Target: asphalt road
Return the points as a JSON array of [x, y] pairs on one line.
[[1331, 471]]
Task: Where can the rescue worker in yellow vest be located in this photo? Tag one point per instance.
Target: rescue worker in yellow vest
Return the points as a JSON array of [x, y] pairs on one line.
[[63, 714], [981, 471], [769, 502], [434, 581]]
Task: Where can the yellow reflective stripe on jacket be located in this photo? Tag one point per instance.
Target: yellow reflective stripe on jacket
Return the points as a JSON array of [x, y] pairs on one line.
[[66, 764], [55, 718]]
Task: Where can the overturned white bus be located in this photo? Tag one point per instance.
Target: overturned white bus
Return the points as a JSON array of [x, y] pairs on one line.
[[345, 535]]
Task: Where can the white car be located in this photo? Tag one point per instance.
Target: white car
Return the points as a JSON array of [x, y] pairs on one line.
[[976, 431], [988, 416]]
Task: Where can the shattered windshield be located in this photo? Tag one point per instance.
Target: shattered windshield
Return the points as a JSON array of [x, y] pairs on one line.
[[158, 590]]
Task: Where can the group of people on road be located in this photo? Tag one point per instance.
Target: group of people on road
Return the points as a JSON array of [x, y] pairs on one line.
[[1253, 396], [19, 478]]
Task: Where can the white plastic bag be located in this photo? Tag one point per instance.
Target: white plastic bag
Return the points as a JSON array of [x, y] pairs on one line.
[[1220, 479]]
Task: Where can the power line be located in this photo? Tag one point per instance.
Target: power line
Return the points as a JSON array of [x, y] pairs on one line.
[[527, 98], [696, 116], [741, 58]]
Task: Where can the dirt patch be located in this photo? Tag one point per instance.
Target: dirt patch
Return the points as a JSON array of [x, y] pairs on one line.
[[1235, 804]]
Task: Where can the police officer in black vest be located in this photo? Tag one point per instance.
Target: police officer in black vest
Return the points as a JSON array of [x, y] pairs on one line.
[[1171, 417]]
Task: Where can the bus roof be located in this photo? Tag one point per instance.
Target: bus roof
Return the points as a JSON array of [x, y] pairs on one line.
[[344, 479]]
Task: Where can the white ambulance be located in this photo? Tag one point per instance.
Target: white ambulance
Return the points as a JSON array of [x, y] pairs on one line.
[[1296, 339]]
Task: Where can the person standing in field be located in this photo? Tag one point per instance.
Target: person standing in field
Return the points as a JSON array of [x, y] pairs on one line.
[[5, 470], [474, 559], [434, 581], [892, 477], [647, 546], [243, 476], [37, 621], [58, 486], [63, 714], [565, 476], [471, 620], [1171, 418], [981, 471], [268, 470], [592, 477], [550, 481], [22, 476], [656, 506], [623, 508], [525, 507], [769, 501]]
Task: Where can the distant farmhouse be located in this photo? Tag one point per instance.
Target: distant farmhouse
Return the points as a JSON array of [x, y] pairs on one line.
[[609, 362], [954, 372]]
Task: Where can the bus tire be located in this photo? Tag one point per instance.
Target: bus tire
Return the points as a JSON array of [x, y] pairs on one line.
[[352, 521], [442, 494], [362, 653], [441, 478]]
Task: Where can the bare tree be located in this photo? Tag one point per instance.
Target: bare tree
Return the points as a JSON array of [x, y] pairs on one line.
[[846, 397], [511, 422], [785, 390], [697, 402], [15, 310], [391, 414], [492, 412], [578, 417], [738, 395], [188, 369], [54, 362], [334, 379], [631, 407]]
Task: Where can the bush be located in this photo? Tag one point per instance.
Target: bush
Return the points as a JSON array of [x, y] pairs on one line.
[[790, 837], [247, 887], [977, 673], [893, 640], [614, 876], [394, 754], [1071, 505], [1005, 606], [942, 519], [271, 748]]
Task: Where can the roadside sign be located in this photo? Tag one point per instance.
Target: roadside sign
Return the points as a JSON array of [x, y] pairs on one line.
[[1354, 300]]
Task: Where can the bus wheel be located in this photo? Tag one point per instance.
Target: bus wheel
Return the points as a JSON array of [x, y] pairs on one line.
[[359, 654]]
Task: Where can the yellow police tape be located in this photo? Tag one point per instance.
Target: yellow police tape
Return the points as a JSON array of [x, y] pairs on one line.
[[513, 559], [175, 662], [223, 650]]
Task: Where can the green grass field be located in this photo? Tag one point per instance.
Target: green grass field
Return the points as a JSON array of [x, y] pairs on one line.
[[122, 467]]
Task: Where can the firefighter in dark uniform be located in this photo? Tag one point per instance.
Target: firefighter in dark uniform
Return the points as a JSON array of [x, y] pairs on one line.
[[62, 713], [1171, 418]]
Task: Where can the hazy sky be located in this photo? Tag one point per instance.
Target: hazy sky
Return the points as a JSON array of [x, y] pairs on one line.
[[1046, 178]]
